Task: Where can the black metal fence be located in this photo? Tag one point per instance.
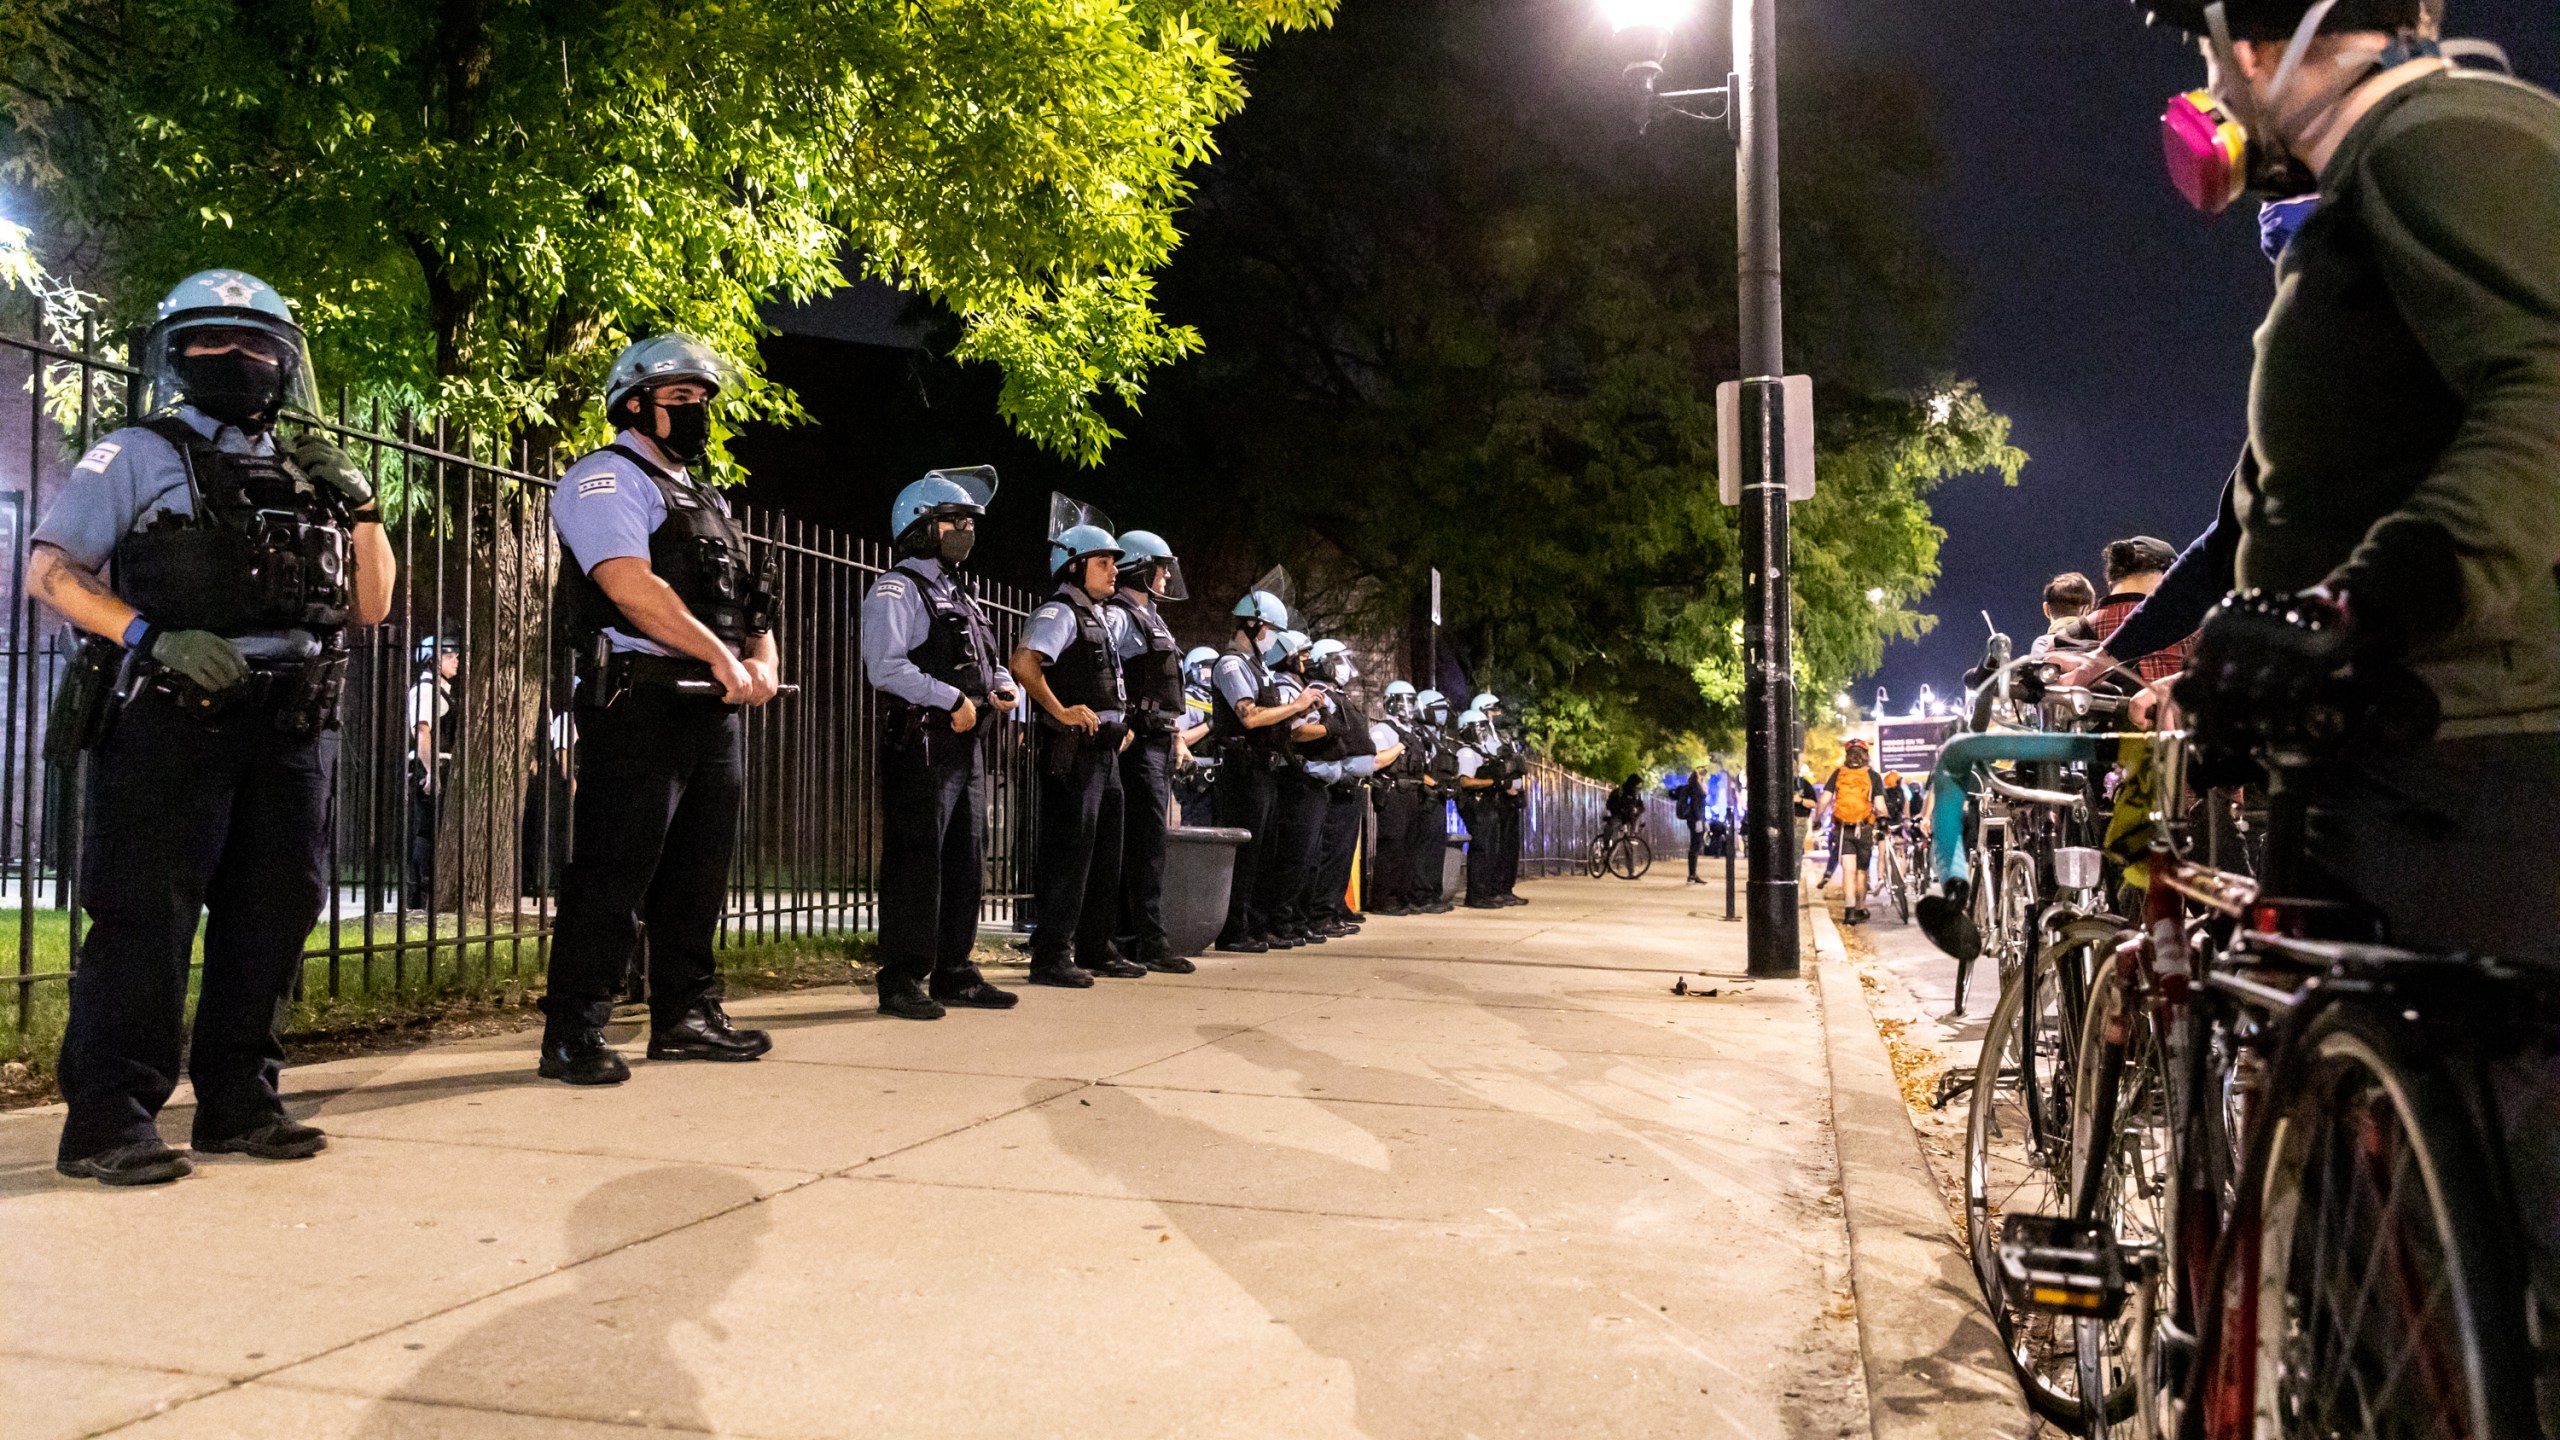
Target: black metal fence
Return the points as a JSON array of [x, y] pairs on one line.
[[447, 888]]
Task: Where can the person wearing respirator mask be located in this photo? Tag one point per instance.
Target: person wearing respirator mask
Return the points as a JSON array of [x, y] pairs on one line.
[[2398, 507], [217, 568], [670, 617], [929, 649]]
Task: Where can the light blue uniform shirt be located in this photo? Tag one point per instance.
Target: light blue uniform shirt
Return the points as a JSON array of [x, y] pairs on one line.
[[1052, 628], [132, 475], [606, 508], [895, 620], [1236, 679]]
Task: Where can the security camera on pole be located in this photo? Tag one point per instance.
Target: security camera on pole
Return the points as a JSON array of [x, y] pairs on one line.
[[1764, 434]]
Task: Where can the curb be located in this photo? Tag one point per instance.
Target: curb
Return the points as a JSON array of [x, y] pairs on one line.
[[1933, 1362]]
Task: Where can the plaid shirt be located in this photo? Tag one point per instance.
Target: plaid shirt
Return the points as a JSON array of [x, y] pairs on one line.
[[2159, 664]]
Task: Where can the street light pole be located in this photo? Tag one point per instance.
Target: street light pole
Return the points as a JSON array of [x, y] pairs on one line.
[[1768, 645], [1750, 107]]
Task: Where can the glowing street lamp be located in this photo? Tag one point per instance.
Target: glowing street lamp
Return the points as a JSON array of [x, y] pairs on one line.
[[1747, 104]]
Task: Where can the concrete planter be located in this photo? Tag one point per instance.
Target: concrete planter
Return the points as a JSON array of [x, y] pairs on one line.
[[1453, 870], [1199, 865]]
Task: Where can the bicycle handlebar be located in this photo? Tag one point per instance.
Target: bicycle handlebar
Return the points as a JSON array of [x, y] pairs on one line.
[[2028, 793]]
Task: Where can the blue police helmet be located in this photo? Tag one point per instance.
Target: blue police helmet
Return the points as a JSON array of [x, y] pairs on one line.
[[940, 495], [1399, 687], [1470, 719], [1079, 542], [1429, 698], [428, 645], [232, 300], [1264, 606], [1282, 645], [1485, 700], [1333, 658], [1200, 655], [659, 360], [1148, 563]]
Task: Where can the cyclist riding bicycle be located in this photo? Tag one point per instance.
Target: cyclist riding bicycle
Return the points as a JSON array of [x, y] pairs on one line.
[[2398, 503]]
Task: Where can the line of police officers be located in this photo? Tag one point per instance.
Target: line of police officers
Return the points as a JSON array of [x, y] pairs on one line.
[[217, 569]]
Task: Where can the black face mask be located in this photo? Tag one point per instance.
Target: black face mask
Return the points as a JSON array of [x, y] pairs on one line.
[[232, 387], [688, 436], [954, 546]]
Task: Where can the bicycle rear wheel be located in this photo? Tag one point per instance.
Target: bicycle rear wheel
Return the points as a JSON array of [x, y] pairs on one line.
[[2388, 1285], [2123, 1164], [1630, 857], [2017, 1160]]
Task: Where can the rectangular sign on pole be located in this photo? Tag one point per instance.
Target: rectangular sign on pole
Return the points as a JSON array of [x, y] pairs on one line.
[[1797, 393], [1435, 594], [1911, 746]]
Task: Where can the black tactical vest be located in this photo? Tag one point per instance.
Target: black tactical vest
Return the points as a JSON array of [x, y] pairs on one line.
[[959, 648], [1444, 756], [701, 555], [1354, 726], [265, 549], [1227, 728], [1153, 677], [1086, 672], [1411, 764]]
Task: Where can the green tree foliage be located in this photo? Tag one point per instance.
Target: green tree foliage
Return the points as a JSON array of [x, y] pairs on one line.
[[475, 201], [1458, 313]]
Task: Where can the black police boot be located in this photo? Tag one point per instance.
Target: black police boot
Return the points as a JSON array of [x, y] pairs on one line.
[[907, 1000], [1065, 974], [275, 1140], [706, 1034], [1389, 910], [973, 992], [1242, 944], [1110, 962], [1158, 956], [144, 1162], [582, 1058]]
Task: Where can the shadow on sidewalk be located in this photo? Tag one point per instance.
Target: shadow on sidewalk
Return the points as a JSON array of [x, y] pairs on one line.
[[623, 1336]]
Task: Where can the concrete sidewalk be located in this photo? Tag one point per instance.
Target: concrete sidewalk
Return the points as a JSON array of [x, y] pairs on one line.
[[1469, 1175]]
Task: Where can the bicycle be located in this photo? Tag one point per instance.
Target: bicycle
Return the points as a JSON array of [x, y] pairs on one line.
[[2018, 1141], [1619, 849], [1894, 869], [2285, 1215]]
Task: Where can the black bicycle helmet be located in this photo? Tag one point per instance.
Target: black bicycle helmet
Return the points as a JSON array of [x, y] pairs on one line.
[[2277, 19]]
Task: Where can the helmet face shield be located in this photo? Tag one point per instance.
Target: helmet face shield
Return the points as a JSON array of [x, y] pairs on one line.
[[240, 366]]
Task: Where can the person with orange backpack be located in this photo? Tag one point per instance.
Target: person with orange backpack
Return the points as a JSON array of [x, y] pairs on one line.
[[1854, 792]]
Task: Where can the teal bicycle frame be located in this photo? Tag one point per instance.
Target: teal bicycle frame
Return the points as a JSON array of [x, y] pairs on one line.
[[1960, 773]]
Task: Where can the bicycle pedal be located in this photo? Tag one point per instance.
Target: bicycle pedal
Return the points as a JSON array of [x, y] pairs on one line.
[[2053, 1266]]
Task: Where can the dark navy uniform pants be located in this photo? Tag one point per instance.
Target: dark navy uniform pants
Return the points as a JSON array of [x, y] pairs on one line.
[[659, 775], [1391, 870], [1483, 815], [1429, 843], [1297, 813], [1246, 794], [1146, 791], [1344, 807], [932, 808], [1077, 885], [184, 813]]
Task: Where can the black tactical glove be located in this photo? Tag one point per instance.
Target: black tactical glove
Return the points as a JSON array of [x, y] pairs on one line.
[[208, 661], [329, 467], [2285, 672]]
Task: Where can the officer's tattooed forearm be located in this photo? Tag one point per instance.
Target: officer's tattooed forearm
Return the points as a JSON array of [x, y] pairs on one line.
[[62, 572]]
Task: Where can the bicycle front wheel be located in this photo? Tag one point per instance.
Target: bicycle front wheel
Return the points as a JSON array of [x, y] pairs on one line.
[[2123, 1165], [2017, 1161], [1630, 857], [2388, 1295]]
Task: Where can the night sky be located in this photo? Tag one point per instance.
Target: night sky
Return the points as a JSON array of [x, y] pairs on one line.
[[2104, 317]]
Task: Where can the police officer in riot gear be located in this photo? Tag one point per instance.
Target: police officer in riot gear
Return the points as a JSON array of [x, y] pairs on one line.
[[1440, 788], [1481, 784], [1197, 761], [1397, 793], [929, 650], [1069, 663], [1250, 724], [215, 568], [430, 761], [1151, 676], [672, 620], [1355, 750], [1508, 764]]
